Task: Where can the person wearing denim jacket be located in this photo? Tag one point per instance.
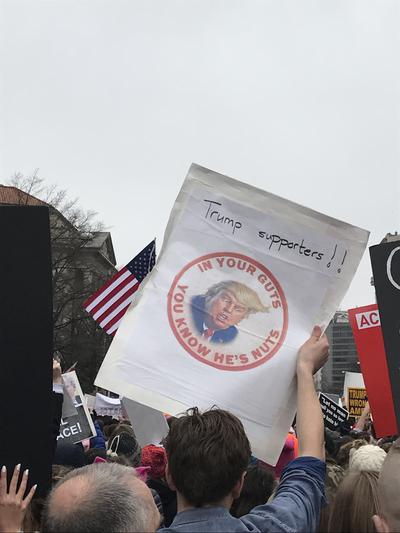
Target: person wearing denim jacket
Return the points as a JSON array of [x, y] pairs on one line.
[[207, 455]]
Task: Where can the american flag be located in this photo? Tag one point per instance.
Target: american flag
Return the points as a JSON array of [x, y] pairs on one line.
[[109, 304]]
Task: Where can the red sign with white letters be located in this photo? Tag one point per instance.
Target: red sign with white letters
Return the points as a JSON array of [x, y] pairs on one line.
[[366, 326]]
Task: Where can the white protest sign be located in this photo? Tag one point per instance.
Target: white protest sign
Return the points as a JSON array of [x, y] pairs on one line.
[[241, 279], [149, 425], [106, 406], [353, 380]]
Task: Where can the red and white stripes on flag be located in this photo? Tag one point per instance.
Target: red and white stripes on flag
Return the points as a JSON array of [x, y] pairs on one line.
[[109, 304]]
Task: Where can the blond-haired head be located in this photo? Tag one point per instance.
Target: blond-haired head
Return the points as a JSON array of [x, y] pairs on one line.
[[242, 293]]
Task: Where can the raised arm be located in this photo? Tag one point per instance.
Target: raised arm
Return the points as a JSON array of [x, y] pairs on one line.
[[57, 401], [309, 422], [300, 494], [360, 424]]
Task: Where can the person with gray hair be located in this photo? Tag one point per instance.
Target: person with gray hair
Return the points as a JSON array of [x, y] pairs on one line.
[[100, 497], [216, 313]]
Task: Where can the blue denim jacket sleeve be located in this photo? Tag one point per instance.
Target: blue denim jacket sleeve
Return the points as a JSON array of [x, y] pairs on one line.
[[297, 502]]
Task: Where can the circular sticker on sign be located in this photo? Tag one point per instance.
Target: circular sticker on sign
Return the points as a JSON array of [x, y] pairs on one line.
[[228, 310]]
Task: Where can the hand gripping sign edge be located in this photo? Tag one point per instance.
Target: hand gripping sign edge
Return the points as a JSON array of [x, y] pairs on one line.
[[265, 272]]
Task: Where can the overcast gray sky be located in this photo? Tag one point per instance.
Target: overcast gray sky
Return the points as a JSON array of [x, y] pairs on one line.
[[113, 99]]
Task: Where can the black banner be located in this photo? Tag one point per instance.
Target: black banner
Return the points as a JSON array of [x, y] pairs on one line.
[[385, 261], [26, 343], [334, 415]]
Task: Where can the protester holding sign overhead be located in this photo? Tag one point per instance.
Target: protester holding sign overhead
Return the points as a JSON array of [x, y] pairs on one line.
[[213, 448], [235, 347]]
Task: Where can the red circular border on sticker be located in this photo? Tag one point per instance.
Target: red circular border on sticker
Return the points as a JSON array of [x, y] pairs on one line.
[[267, 273]]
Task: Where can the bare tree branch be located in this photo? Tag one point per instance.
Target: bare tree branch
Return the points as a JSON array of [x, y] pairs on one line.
[[77, 273]]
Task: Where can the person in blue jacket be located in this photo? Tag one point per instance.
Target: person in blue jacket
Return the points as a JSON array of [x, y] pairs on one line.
[[208, 455]]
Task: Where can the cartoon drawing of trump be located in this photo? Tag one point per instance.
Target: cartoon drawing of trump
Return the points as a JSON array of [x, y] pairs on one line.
[[216, 313]]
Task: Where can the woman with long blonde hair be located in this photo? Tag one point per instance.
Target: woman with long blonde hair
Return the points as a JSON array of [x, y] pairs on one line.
[[355, 503]]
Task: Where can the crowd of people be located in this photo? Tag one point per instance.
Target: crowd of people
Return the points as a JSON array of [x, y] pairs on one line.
[[203, 476]]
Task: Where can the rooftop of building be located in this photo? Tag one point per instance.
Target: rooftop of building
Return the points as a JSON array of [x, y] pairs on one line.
[[13, 196], [102, 239], [341, 317]]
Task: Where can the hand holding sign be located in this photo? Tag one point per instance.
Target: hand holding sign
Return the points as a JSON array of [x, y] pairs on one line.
[[314, 352], [362, 421], [310, 426], [57, 372]]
